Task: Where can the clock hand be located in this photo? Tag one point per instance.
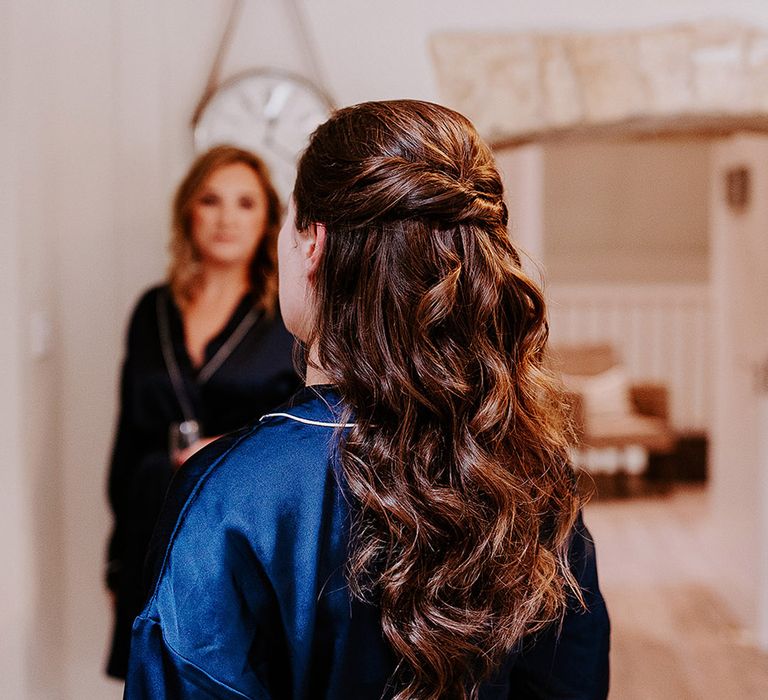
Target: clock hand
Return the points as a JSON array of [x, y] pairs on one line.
[[278, 96]]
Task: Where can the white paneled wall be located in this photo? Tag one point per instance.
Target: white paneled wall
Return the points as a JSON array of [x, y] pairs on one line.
[[661, 332]]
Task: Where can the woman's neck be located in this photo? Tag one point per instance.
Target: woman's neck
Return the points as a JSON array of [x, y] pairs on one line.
[[222, 284], [315, 373], [213, 303]]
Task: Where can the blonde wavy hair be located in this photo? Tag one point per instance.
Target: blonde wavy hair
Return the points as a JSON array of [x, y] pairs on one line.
[[185, 268]]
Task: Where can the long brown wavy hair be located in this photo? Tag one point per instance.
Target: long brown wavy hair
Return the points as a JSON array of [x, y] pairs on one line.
[[463, 499], [184, 269]]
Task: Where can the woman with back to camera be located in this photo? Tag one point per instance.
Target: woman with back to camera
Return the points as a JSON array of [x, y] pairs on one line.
[[207, 353], [408, 527]]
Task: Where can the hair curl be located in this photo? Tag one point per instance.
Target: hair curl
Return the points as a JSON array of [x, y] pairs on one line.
[[184, 269], [457, 464]]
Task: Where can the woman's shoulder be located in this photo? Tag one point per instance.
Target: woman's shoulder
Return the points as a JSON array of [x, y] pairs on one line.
[[144, 312], [275, 470], [278, 454], [150, 295]]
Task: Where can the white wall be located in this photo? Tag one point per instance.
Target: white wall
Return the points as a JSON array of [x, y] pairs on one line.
[[101, 95], [15, 517], [627, 211], [60, 74], [739, 291], [522, 170], [34, 520], [83, 166]]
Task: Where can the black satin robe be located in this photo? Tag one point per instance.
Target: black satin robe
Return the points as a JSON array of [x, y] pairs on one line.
[[256, 376]]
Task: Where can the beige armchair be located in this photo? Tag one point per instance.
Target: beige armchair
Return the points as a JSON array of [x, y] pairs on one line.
[[607, 409]]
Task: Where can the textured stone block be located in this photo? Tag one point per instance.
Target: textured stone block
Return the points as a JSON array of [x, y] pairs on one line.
[[515, 86]]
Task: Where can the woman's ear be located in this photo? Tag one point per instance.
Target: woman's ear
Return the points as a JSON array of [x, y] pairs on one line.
[[317, 246]]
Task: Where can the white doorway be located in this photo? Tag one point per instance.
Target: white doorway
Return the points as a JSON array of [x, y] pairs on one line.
[[739, 234], [705, 334]]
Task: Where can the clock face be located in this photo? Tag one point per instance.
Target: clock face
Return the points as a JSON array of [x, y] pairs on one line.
[[269, 112]]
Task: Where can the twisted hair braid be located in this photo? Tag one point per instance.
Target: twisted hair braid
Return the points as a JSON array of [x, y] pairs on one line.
[[457, 462]]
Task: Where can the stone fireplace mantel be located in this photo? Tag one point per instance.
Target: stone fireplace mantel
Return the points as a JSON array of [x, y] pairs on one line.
[[709, 78]]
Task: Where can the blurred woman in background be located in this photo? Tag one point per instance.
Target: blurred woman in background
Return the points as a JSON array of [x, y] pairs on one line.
[[409, 527], [207, 353]]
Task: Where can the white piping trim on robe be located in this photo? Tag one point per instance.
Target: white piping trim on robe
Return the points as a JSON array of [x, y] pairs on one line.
[[307, 421]]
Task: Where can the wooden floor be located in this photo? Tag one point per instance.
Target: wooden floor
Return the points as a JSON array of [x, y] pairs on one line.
[[672, 637]]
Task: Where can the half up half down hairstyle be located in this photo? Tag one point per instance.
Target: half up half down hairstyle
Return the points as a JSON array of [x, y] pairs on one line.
[[463, 498]]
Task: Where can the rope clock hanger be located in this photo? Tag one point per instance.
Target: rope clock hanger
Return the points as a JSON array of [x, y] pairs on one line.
[[267, 110]]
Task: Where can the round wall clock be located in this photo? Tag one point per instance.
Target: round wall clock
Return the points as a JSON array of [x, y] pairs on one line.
[[268, 111]]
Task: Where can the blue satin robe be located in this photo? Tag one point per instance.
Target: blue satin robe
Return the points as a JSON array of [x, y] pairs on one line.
[[249, 597]]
